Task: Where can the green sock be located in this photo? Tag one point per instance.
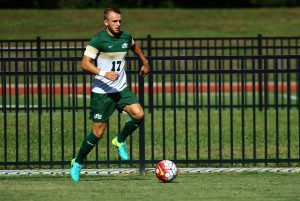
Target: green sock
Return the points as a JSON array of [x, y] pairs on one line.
[[87, 145], [130, 126]]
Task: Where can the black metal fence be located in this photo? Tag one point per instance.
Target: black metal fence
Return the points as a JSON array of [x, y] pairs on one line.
[[200, 111], [227, 46]]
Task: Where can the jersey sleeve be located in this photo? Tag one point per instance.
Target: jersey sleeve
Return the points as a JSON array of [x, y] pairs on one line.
[[91, 49], [91, 52], [129, 39], [132, 42]]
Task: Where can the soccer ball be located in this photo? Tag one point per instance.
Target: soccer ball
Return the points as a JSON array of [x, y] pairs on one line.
[[166, 171]]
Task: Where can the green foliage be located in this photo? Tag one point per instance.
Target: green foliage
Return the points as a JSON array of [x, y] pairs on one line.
[[144, 3], [273, 3], [114, 3], [78, 4], [45, 3]]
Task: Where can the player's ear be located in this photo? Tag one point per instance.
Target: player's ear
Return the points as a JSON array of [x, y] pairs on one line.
[[105, 22]]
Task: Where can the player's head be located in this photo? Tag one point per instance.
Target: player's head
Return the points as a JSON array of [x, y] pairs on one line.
[[112, 20]]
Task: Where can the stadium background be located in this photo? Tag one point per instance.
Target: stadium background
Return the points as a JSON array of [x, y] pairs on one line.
[[287, 62]]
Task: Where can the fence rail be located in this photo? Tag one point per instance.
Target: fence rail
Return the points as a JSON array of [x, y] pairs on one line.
[[200, 111], [221, 46], [257, 80]]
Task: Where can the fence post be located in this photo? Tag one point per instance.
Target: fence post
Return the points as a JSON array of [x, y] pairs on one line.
[[142, 128], [150, 78], [39, 85], [260, 87], [149, 45], [298, 82], [39, 71]]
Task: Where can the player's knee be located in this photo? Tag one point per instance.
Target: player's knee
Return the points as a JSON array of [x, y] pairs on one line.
[[139, 115], [99, 129], [99, 134]]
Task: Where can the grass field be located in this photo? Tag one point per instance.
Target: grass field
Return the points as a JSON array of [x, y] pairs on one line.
[[84, 23], [51, 139], [210, 186]]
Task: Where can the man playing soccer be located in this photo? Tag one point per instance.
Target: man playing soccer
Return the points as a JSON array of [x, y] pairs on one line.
[[109, 88]]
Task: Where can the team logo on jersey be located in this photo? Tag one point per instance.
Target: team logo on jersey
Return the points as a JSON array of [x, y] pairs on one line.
[[125, 45], [98, 116]]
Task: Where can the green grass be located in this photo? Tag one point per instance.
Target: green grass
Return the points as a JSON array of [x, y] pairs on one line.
[[84, 23], [77, 100], [27, 130], [211, 186]]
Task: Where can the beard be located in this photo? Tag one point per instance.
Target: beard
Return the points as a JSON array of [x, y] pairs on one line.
[[113, 31]]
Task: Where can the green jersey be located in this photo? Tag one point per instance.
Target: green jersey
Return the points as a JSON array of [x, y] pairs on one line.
[[110, 53]]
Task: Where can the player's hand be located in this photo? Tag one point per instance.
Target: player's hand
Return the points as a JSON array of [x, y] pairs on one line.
[[145, 70], [112, 75]]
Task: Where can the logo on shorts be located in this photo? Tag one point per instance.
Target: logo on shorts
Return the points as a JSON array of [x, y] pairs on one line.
[[98, 116]]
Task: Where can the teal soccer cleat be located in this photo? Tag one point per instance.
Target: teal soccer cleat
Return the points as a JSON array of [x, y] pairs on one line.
[[75, 170], [121, 146]]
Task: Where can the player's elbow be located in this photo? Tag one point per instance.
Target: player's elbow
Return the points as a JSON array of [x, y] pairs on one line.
[[84, 63]]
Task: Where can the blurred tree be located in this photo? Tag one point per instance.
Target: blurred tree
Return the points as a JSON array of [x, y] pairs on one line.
[[274, 3], [16, 3], [77, 3], [136, 3], [145, 3], [45, 3], [29, 3]]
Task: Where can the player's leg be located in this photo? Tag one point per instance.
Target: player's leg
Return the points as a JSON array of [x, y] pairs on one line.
[[135, 118], [90, 141], [136, 115], [101, 109], [128, 103], [88, 144]]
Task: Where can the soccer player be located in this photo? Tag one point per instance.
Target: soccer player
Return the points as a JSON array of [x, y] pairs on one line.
[[109, 88]]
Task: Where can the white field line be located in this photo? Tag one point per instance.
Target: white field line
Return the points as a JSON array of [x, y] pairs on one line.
[[149, 170]]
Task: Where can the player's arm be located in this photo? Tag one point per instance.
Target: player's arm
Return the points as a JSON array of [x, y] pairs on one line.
[[138, 52], [87, 64]]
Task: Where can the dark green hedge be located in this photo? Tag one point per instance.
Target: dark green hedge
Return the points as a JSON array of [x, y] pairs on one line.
[[146, 3]]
